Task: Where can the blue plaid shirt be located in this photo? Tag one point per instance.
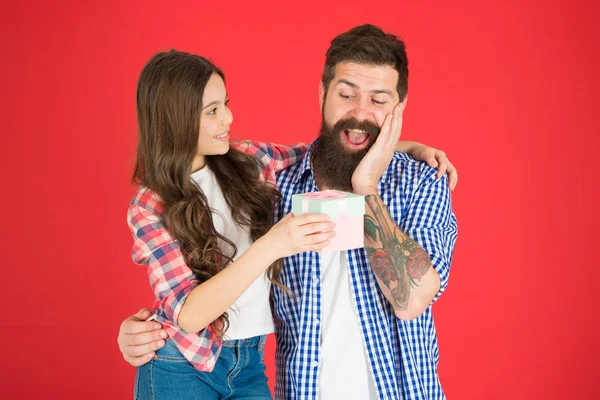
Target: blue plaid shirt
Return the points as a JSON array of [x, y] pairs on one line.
[[403, 355]]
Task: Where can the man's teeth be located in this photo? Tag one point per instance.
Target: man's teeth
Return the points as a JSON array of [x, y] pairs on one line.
[[357, 136]]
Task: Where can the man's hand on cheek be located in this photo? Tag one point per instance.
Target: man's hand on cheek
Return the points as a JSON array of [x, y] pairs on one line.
[[376, 161]]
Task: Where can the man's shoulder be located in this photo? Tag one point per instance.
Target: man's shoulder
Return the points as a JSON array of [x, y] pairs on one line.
[[406, 168]]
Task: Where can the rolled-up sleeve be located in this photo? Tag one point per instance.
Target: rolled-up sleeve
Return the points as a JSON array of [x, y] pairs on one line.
[[431, 222], [284, 156], [171, 279], [274, 157]]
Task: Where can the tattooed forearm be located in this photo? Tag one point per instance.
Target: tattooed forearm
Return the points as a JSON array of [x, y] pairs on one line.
[[417, 261], [397, 260]]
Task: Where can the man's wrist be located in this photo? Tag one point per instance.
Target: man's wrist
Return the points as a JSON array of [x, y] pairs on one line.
[[365, 190]]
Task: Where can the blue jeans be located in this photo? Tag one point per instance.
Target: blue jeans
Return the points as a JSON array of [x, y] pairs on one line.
[[238, 374]]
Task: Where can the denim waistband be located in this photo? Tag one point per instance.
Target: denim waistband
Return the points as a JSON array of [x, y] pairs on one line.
[[253, 341]]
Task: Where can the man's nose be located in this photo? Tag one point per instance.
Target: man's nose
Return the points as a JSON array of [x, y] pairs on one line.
[[363, 110]]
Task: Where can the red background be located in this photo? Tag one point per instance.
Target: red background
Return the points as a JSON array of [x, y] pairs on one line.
[[509, 90]]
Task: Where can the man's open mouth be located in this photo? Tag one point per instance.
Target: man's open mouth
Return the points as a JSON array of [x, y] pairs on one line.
[[356, 138]]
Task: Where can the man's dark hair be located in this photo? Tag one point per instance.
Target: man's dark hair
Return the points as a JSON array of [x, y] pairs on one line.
[[370, 45]]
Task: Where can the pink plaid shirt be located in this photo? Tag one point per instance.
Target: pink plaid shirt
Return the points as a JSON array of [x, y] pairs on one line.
[[171, 279]]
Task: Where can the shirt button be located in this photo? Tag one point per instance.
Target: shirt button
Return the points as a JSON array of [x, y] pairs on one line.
[[315, 364], [317, 322], [315, 280]]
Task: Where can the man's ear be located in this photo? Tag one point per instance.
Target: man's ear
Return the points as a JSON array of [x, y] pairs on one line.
[[321, 95], [404, 102]]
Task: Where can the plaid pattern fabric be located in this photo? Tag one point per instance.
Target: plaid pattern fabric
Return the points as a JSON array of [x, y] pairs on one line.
[[403, 355], [274, 157], [171, 279]]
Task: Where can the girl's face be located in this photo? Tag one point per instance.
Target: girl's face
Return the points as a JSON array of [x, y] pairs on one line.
[[215, 119]]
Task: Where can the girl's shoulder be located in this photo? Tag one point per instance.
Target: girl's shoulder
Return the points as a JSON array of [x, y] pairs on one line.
[[147, 202]]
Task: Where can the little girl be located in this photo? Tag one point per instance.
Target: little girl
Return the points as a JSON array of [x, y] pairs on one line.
[[202, 224]]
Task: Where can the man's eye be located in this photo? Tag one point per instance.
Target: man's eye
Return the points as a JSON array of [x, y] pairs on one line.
[[345, 96], [379, 102]]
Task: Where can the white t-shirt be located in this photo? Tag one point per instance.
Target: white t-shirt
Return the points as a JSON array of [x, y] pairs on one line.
[[345, 371], [251, 314]]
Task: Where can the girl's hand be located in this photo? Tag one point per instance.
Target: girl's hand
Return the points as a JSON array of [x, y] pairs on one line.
[[435, 159], [297, 234], [139, 339]]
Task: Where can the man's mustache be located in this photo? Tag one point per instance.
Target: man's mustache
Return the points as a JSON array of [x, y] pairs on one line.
[[353, 123]]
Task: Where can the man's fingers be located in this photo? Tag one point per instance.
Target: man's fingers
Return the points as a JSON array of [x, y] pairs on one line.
[[396, 125], [384, 132]]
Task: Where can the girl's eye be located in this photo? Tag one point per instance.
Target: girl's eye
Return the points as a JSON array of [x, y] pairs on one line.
[[212, 112]]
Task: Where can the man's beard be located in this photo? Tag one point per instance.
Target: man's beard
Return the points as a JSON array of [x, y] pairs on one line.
[[334, 163]]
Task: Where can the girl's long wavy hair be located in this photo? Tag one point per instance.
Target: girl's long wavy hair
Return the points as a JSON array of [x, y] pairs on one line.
[[169, 104]]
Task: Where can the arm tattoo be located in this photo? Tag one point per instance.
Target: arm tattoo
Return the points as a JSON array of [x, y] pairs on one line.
[[397, 260]]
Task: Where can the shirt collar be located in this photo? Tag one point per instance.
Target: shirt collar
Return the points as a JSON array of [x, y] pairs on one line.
[[305, 165]]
